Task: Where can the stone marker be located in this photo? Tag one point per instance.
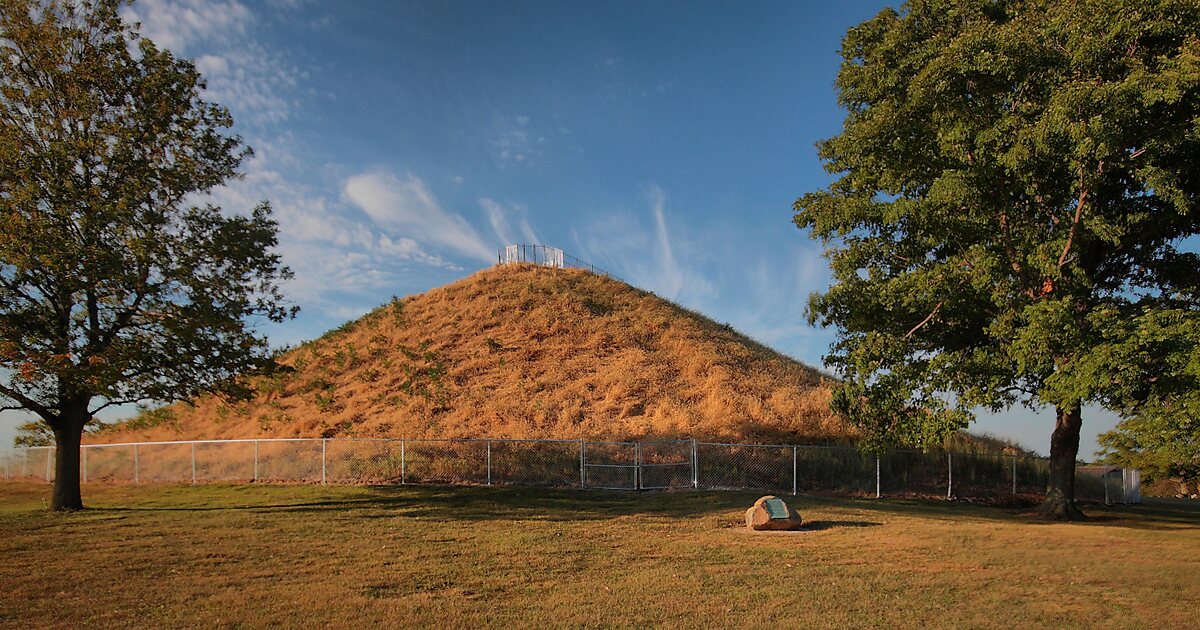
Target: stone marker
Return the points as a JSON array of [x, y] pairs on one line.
[[771, 513]]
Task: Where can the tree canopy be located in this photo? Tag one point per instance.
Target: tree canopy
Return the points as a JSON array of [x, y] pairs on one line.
[[1014, 214], [117, 283]]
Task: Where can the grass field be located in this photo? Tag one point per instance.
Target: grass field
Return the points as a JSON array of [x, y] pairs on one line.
[[337, 556]]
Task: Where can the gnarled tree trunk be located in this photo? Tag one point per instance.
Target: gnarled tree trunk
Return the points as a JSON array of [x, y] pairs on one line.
[[68, 434], [1064, 448]]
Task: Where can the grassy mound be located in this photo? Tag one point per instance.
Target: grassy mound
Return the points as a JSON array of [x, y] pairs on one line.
[[521, 352]]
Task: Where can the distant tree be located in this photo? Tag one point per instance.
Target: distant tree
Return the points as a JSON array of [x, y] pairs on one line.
[[33, 433], [114, 288], [1162, 443], [1016, 184]]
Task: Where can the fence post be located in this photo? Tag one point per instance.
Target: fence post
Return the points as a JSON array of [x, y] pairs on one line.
[[877, 487], [1014, 467], [323, 440], [193, 462], [256, 461], [137, 472], [949, 475], [48, 451], [695, 466], [637, 462], [85, 452], [489, 463], [402, 470], [582, 476], [795, 451]]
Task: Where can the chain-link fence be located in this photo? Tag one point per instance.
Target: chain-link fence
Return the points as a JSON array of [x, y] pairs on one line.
[[545, 256], [657, 465]]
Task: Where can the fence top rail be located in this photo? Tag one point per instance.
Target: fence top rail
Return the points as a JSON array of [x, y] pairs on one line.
[[252, 440], [811, 446], [173, 442], [558, 441], [935, 452]]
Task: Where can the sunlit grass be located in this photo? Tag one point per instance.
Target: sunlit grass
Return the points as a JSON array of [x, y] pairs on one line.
[[214, 555]]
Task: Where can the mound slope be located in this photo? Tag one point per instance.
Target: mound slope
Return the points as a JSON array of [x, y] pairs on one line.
[[521, 352]]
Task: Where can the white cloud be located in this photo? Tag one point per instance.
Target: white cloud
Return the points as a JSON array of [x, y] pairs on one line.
[[256, 84], [178, 24], [407, 205], [529, 234], [342, 261], [516, 141], [212, 65], [495, 214], [498, 218], [672, 277], [649, 256]]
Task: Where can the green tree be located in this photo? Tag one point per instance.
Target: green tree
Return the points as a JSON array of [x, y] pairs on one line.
[[1160, 446], [114, 286], [33, 433], [1016, 184], [1162, 441]]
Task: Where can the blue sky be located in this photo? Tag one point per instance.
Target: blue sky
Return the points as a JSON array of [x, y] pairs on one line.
[[401, 143]]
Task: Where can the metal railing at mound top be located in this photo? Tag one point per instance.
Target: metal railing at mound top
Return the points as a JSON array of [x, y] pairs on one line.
[[651, 465], [546, 256]]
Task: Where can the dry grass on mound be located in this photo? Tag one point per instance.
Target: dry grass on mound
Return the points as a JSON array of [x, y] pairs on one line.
[[522, 352]]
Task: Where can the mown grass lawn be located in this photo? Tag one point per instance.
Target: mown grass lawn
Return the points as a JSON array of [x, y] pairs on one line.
[[343, 556]]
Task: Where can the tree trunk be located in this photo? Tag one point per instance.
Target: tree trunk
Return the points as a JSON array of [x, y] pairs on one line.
[[1064, 448], [66, 497]]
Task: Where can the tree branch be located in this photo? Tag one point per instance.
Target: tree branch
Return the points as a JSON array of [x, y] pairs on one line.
[[28, 403], [1083, 195], [1006, 235], [114, 403], [928, 317]]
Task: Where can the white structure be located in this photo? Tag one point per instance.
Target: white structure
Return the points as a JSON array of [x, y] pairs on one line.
[[536, 254]]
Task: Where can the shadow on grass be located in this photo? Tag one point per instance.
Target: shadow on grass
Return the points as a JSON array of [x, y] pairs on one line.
[[474, 503], [816, 526], [471, 503]]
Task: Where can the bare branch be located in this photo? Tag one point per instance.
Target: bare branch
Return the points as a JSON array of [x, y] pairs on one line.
[[114, 403], [928, 317], [1083, 195]]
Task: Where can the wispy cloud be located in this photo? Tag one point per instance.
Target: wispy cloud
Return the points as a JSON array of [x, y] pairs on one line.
[[644, 249], [498, 217], [671, 275], [328, 243], [256, 84], [178, 24], [762, 293], [498, 220], [408, 208], [516, 141]]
